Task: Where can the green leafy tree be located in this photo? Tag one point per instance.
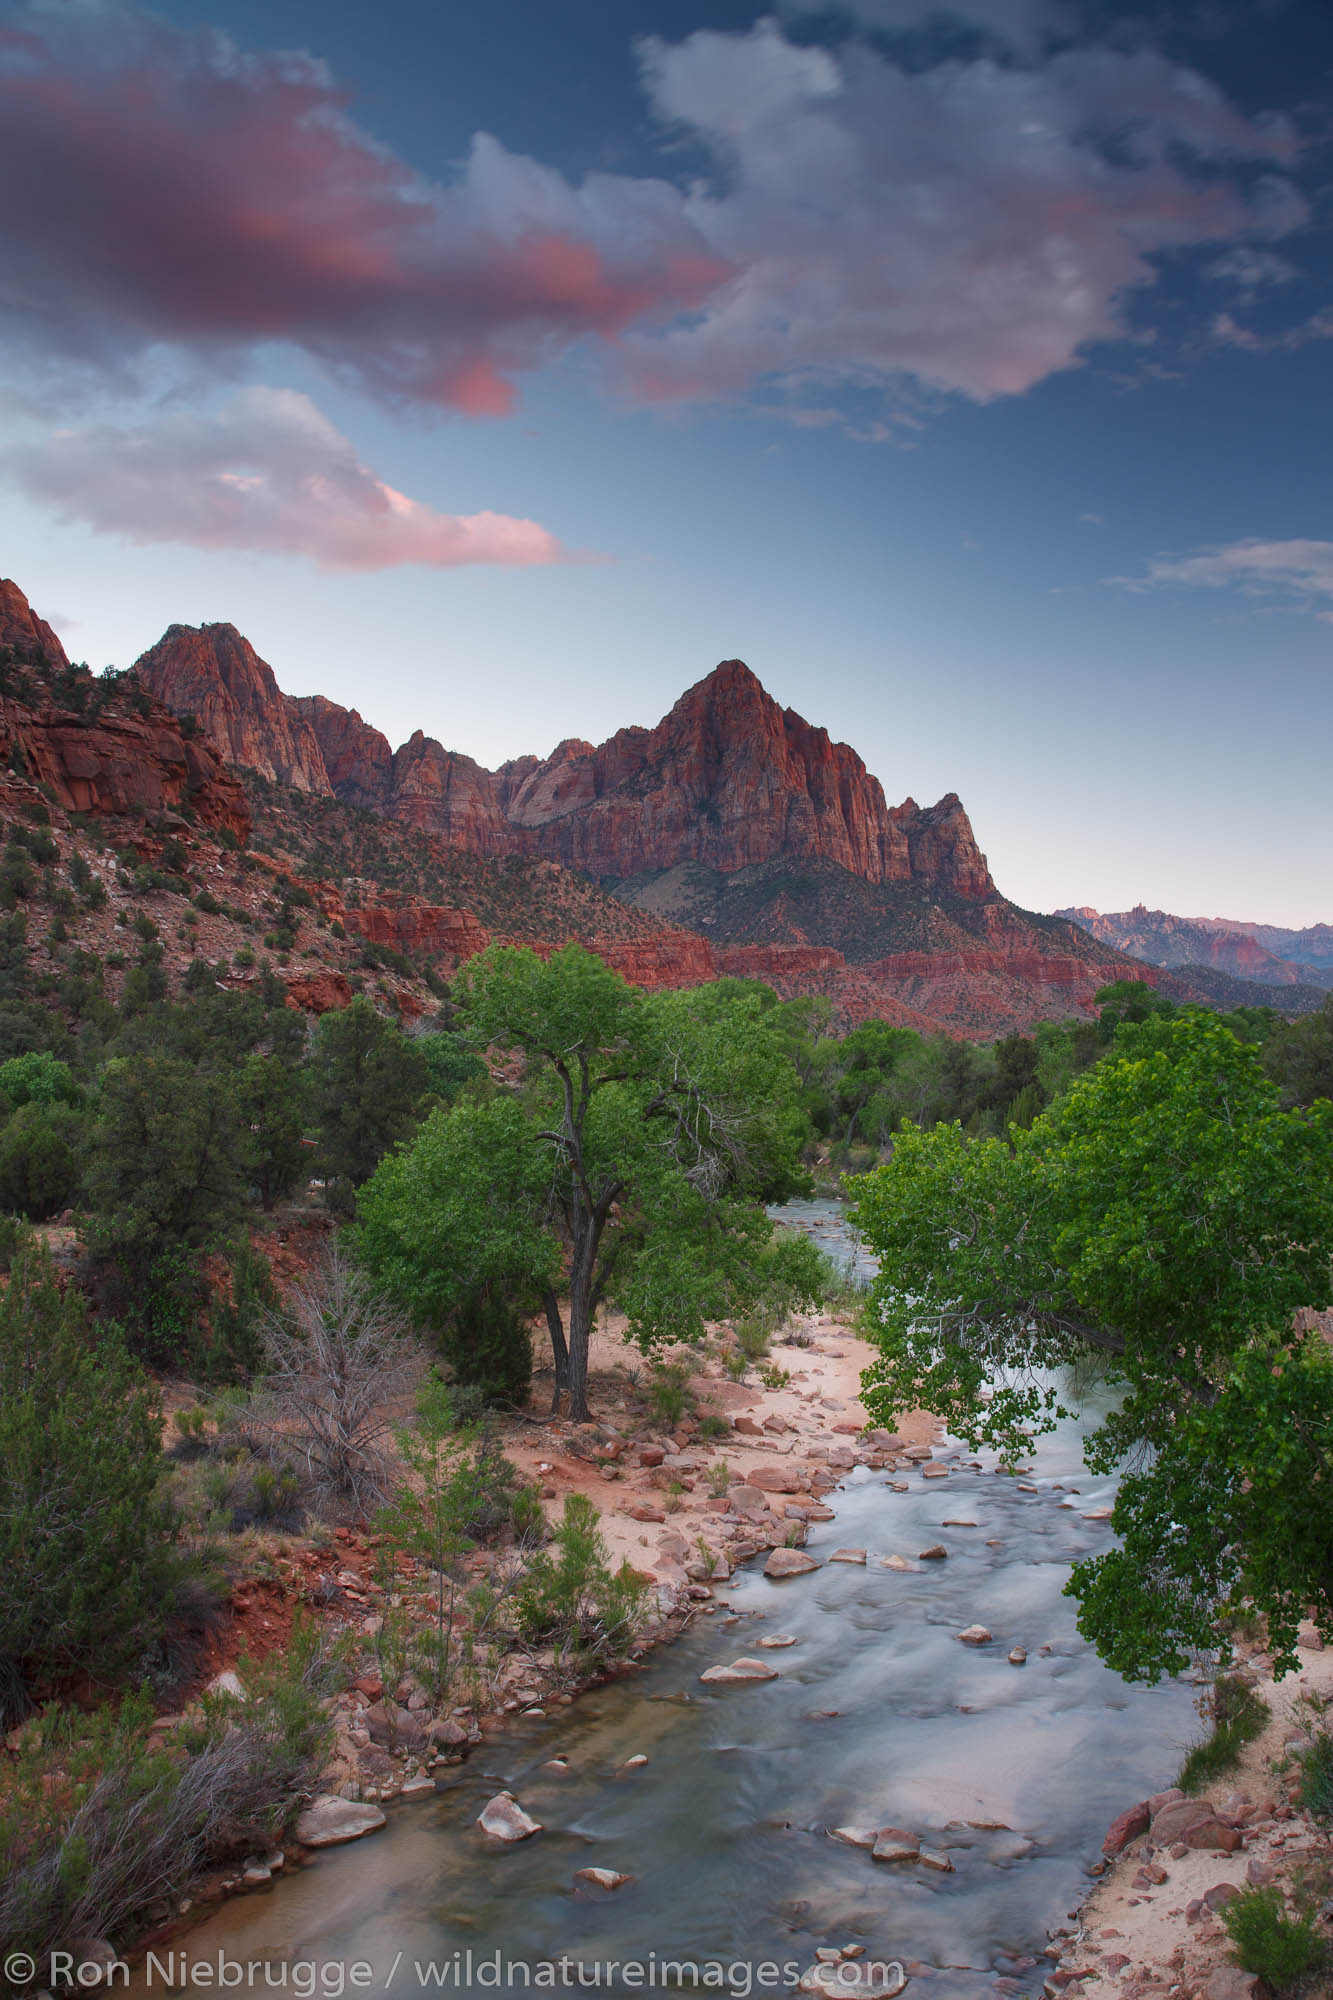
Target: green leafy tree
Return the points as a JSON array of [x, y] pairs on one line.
[[271, 1100], [1169, 1216], [38, 1078], [39, 1158], [367, 1080], [164, 1167], [453, 1227], [662, 1123], [87, 1562]]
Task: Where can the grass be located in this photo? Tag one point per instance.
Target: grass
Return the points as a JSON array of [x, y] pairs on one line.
[[1238, 1716], [1283, 1950]]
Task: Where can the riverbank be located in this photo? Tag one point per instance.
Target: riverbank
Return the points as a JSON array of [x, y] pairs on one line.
[[1152, 1926]]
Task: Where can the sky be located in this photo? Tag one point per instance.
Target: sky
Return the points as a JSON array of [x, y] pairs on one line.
[[967, 369]]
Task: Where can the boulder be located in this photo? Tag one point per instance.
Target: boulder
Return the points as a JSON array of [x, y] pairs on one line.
[[1133, 1821], [328, 1821], [739, 1671], [775, 1479], [848, 1556], [789, 1562], [392, 1727], [504, 1819], [975, 1635]]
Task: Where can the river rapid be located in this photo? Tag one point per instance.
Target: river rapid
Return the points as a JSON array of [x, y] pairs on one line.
[[880, 1716]]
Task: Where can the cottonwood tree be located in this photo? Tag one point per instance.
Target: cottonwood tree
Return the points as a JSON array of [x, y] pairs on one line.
[[1169, 1216], [650, 1130]]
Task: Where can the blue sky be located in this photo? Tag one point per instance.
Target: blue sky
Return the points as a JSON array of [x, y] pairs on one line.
[[967, 373]]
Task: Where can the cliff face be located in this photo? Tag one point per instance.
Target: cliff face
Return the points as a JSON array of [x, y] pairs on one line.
[[212, 672], [21, 628], [100, 746]]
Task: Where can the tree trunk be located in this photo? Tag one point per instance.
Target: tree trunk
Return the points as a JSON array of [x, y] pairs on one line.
[[580, 1328], [559, 1351]]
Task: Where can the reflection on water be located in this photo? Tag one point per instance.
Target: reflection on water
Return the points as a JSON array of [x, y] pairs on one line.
[[880, 1717]]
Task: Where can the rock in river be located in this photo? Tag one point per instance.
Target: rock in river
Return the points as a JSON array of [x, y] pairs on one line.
[[789, 1562], [328, 1820], [740, 1670], [504, 1819]]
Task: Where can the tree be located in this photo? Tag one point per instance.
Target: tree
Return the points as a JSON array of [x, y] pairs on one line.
[[333, 1364], [1298, 1056], [367, 1080], [38, 1078], [453, 1227], [87, 1563], [39, 1158], [164, 1170], [661, 1123], [1170, 1217], [271, 1099]]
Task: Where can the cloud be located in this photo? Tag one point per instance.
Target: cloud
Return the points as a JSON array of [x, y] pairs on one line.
[[158, 188], [974, 225], [1226, 331], [1299, 571], [268, 473]]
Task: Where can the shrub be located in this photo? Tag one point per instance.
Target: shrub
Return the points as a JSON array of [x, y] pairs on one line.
[[1281, 1949], [88, 1566], [39, 1162], [667, 1391], [1238, 1716], [572, 1600], [97, 1827], [1316, 1778]]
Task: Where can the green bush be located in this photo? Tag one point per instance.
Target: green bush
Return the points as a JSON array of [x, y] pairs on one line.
[[1316, 1779], [1238, 1716], [1281, 1949], [88, 1564], [488, 1348], [667, 1391], [573, 1600], [39, 1160]]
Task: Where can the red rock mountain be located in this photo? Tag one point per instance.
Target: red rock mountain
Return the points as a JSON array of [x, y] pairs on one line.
[[21, 628], [727, 780], [98, 746], [211, 672]]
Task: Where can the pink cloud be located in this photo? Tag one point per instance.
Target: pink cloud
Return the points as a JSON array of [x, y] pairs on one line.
[[269, 473], [160, 188]]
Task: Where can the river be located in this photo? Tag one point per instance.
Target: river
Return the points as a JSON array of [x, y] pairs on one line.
[[880, 1717]]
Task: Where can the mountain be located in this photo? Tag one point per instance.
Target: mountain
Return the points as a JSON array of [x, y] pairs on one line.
[[1312, 946], [727, 780], [733, 818], [1189, 942]]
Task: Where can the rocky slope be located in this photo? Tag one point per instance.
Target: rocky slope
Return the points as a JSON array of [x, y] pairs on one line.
[[1162, 939]]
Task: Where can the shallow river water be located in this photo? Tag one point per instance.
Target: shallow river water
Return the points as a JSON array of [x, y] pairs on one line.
[[880, 1717]]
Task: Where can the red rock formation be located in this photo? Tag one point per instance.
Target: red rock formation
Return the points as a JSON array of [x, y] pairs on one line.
[[212, 672], [119, 762], [357, 759], [319, 992], [422, 930], [1163, 939], [21, 628], [680, 960], [772, 962]]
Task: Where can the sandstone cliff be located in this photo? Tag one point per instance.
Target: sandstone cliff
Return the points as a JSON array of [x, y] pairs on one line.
[[211, 672], [21, 628]]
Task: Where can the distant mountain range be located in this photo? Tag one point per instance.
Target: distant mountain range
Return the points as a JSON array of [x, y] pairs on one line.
[[1294, 967]]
